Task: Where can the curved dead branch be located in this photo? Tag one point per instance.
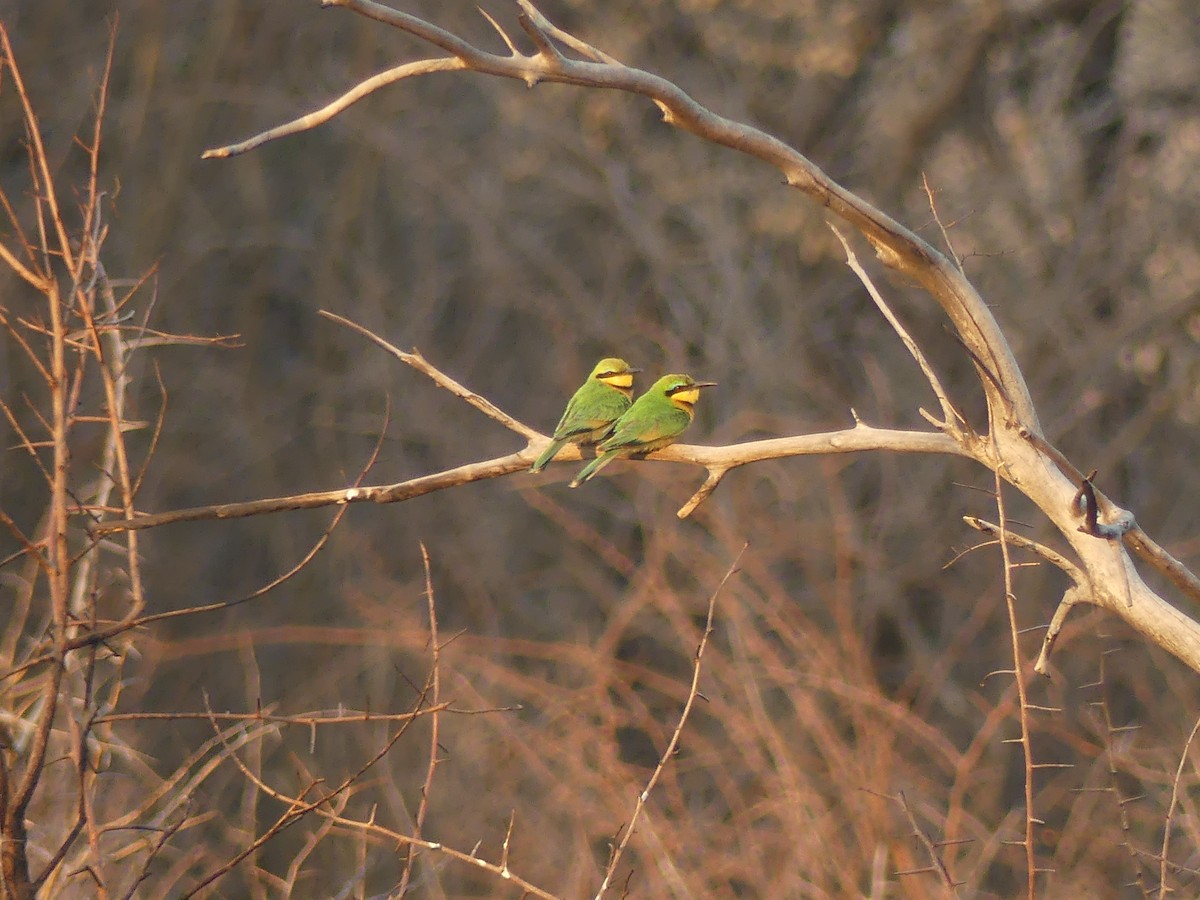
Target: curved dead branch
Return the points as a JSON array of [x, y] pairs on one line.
[[1016, 447]]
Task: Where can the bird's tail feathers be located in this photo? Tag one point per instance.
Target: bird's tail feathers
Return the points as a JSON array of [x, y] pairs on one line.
[[592, 468], [548, 454]]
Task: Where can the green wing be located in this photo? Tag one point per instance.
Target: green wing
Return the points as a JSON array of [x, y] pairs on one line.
[[647, 425], [593, 407]]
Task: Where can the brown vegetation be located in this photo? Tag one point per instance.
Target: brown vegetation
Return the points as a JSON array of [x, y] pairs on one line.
[[511, 687]]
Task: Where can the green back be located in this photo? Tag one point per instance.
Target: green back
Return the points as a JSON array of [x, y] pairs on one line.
[[594, 406], [652, 419]]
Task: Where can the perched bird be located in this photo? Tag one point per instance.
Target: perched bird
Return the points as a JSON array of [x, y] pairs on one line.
[[590, 413], [655, 420]]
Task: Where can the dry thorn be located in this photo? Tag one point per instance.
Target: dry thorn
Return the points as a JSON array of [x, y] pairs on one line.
[[507, 841], [936, 865], [1052, 556], [937, 218]]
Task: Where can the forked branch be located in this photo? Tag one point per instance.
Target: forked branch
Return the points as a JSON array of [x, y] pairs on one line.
[[897, 246], [717, 460], [1016, 448]]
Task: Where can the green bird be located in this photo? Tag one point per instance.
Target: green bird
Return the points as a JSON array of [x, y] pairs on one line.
[[655, 420], [590, 413]]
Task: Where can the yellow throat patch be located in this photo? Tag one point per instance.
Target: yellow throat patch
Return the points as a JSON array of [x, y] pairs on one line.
[[618, 379]]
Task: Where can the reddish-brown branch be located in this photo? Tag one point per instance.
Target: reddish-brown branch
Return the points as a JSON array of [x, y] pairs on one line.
[[435, 688]]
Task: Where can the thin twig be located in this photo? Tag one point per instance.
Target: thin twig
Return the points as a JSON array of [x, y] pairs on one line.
[[346, 100], [1111, 739], [703, 492], [1022, 699], [693, 691], [937, 218], [297, 808], [1166, 841], [418, 362], [512, 48], [935, 861], [950, 415], [99, 636], [506, 875], [1076, 574], [308, 721], [167, 834], [435, 686], [547, 52], [579, 46]]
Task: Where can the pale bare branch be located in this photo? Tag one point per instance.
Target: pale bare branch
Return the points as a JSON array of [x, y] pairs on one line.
[[418, 362], [897, 246], [579, 46], [703, 492], [1076, 574], [500, 31], [345, 101], [1030, 462], [950, 416], [858, 439], [1070, 597]]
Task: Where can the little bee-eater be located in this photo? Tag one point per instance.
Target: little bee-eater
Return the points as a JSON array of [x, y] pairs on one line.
[[655, 420], [590, 413]]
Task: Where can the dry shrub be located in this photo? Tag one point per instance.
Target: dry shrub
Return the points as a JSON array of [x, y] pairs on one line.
[[514, 237]]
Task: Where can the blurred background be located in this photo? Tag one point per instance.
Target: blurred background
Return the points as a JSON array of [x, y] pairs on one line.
[[515, 236]]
